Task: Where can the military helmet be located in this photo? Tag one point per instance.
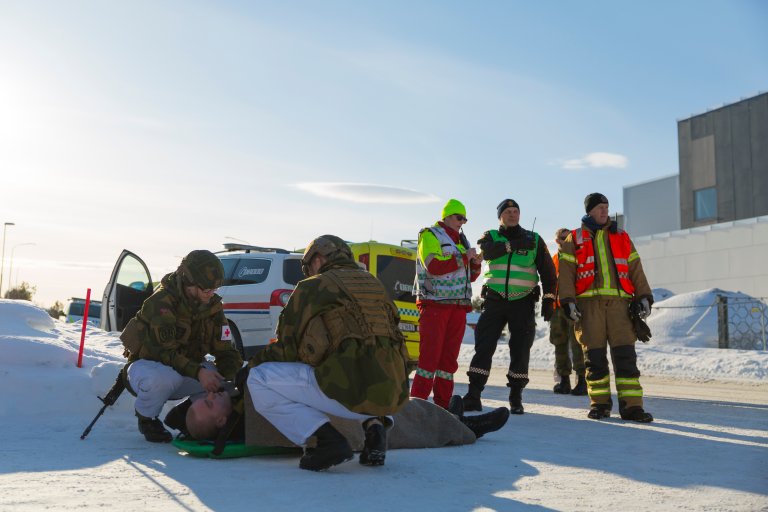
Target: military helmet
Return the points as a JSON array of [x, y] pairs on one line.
[[202, 268], [330, 246]]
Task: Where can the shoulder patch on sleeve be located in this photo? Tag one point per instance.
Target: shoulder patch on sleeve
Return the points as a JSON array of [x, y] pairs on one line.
[[166, 333], [226, 333]]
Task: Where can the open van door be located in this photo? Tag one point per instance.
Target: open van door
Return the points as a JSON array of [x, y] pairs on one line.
[[128, 288]]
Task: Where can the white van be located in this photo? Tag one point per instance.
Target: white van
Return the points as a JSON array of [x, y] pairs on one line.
[[257, 284], [75, 309]]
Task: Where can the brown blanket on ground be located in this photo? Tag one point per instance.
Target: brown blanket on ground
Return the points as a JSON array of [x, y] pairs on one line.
[[419, 424]]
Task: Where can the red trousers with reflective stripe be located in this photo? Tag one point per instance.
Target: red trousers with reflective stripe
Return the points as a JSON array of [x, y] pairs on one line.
[[441, 329]]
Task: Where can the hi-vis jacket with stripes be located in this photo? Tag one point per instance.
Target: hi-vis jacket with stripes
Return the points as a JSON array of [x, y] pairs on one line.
[[602, 264]]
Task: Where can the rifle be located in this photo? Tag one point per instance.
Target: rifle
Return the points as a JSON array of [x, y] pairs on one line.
[[110, 399]]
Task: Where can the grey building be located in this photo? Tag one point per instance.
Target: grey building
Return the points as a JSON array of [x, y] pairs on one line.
[[724, 163], [652, 207]]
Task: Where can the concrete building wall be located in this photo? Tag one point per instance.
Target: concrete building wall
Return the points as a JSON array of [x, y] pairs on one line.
[[727, 149], [652, 207], [729, 256]]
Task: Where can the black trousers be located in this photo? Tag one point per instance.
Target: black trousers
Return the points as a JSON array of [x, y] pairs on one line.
[[519, 317]]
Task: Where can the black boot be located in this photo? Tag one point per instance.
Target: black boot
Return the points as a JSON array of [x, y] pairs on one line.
[[636, 413], [564, 386], [581, 387], [600, 411], [516, 399], [481, 424], [375, 446], [472, 398], [153, 430], [332, 448], [472, 403], [456, 406]]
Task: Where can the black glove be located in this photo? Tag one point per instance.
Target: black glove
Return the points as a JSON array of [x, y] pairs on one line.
[[547, 308], [636, 310], [241, 377], [642, 331]]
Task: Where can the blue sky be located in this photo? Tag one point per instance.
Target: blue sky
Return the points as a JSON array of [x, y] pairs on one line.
[[167, 126]]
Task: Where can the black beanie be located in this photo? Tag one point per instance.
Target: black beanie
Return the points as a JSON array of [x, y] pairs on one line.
[[593, 200], [507, 203]]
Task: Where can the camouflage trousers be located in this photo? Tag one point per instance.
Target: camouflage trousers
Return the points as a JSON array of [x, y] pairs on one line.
[[605, 323], [561, 335]]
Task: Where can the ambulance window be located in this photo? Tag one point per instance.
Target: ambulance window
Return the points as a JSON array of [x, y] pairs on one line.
[[397, 274], [251, 271]]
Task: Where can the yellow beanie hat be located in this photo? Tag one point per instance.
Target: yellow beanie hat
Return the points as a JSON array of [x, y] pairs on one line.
[[452, 207]]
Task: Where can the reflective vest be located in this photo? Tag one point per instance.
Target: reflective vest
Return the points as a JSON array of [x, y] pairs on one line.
[[455, 285], [621, 249], [513, 275]]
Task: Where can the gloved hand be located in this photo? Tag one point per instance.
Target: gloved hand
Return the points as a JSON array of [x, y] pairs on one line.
[[547, 308], [645, 308], [573, 311], [520, 243]]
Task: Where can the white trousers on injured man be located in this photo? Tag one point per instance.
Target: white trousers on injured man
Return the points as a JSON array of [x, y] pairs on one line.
[[288, 396]]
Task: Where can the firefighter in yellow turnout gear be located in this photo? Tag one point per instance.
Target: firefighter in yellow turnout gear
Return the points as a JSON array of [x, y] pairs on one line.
[[600, 275]]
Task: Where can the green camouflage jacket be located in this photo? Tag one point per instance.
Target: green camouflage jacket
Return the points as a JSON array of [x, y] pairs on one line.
[[342, 323], [176, 332]]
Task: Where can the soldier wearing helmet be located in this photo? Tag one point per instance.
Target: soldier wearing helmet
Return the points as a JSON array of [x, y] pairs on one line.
[[339, 352], [168, 339]]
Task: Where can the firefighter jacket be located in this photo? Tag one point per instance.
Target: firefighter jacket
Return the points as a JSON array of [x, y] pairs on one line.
[[601, 263]]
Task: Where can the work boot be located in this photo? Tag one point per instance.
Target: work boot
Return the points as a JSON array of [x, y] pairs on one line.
[[581, 387], [637, 414], [472, 398], [481, 424], [516, 400], [332, 448], [153, 430], [599, 411], [375, 445], [456, 406], [564, 386], [472, 403]]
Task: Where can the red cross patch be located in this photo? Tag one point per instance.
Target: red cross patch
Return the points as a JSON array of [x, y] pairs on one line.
[[226, 333]]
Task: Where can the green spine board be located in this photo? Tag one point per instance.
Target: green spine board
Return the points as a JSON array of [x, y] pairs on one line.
[[231, 450]]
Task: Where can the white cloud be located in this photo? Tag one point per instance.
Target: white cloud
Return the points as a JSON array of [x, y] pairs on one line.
[[366, 193], [596, 160]]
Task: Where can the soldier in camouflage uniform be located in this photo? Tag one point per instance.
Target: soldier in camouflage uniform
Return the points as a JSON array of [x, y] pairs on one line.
[[561, 335], [339, 352], [168, 339]]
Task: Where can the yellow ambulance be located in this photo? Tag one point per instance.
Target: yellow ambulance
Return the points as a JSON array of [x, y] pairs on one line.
[[395, 266]]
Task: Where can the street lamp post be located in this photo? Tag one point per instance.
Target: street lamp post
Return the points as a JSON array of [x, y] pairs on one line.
[[2, 258], [10, 267]]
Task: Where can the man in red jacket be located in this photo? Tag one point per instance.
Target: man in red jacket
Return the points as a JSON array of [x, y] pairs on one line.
[[446, 266]]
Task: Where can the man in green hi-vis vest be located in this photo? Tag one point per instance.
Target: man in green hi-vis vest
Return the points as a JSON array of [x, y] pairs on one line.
[[516, 259]]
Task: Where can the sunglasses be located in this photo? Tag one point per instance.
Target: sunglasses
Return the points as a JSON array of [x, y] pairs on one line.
[[460, 218], [562, 238]]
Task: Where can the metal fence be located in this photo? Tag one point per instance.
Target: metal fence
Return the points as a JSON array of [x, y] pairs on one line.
[[741, 323]]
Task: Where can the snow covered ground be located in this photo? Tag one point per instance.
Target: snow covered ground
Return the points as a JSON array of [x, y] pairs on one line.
[[699, 454]]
